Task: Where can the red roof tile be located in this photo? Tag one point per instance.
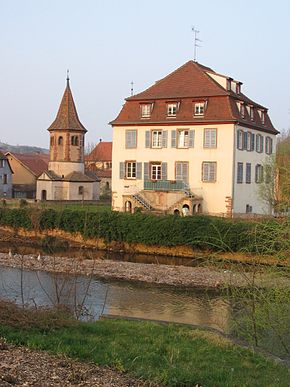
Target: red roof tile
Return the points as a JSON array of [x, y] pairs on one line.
[[185, 85], [35, 162], [102, 152], [67, 116]]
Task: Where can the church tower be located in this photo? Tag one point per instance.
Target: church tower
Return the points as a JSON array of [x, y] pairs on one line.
[[67, 135]]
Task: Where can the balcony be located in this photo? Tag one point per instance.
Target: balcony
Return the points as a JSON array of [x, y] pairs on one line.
[[164, 185]]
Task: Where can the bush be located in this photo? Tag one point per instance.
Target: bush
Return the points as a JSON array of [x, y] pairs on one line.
[[199, 232]]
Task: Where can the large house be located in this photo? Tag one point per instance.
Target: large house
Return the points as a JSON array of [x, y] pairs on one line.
[[192, 142], [99, 160], [66, 178], [5, 177], [26, 169]]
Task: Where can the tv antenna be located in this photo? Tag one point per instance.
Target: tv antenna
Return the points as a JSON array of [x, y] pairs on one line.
[[132, 88], [196, 40]]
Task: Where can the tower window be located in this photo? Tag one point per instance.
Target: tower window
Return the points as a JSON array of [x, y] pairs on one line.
[[74, 140], [60, 140]]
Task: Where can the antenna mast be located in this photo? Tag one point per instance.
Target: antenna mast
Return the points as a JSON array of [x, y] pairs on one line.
[[195, 39], [132, 88]]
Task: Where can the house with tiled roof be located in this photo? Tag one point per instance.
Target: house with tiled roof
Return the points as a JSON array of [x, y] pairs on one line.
[[192, 142], [26, 169], [5, 177], [99, 160], [65, 178]]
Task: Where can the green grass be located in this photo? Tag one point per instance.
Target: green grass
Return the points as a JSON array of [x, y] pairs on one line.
[[167, 354]]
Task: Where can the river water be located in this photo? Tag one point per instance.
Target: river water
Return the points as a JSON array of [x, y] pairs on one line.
[[90, 297]]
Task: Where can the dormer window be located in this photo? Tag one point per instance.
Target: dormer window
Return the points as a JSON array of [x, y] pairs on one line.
[[199, 108], [262, 116], [146, 110], [238, 88], [229, 84], [242, 110], [171, 109], [252, 113]]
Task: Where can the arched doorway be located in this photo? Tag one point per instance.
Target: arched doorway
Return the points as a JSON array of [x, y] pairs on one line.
[[185, 210], [128, 206], [43, 194], [176, 212]]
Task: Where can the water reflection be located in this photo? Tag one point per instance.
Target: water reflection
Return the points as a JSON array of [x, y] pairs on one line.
[[90, 297]]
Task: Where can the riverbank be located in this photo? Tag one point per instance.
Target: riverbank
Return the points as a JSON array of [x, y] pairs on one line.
[[136, 353], [21, 366], [16, 237]]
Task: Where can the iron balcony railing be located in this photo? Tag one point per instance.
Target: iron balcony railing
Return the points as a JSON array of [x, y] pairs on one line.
[[164, 185]]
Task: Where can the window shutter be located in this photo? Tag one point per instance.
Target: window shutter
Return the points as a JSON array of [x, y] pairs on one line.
[[262, 144], [185, 172], [173, 138], [178, 171], [164, 171], [139, 171], [122, 170], [146, 171], [252, 141], [191, 139], [164, 138], [147, 139]]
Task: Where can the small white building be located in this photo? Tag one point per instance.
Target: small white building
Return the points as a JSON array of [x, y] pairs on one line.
[[192, 142], [66, 178]]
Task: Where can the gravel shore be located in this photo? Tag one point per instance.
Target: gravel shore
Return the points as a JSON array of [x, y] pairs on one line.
[[181, 276]]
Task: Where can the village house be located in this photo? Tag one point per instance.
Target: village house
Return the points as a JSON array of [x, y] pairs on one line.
[[26, 169], [99, 160], [5, 177], [192, 142], [66, 178]]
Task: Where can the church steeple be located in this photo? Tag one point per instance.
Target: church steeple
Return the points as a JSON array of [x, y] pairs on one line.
[[67, 137], [67, 116]]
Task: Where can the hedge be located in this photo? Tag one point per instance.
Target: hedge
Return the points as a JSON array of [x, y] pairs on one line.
[[200, 231]]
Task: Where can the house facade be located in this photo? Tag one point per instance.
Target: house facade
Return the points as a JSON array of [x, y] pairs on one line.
[[66, 178], [5, 177], [99, 161], [192, 142], [26, 169]]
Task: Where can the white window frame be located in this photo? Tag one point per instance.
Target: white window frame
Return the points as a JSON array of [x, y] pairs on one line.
[[131, 169], [269, 145], [259, 143], [172, 109], [156, 139], [259, 173], [209, 171], [183, 138], [146, 110], [210, 138], [155, 171], [199, 108]]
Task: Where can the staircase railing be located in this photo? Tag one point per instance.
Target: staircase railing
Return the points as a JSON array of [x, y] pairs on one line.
[[141, 200]]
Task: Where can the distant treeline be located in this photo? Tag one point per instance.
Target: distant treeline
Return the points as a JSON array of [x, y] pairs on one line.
[[269, 236]]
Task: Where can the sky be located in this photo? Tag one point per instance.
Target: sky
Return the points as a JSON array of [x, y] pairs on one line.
[[107, 44]]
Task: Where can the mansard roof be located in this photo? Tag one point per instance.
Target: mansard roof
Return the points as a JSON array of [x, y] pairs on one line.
[[67, 116], [192, 83]]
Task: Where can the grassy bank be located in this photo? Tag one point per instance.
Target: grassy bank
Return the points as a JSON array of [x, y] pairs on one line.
[[165, 354], [264, 237]]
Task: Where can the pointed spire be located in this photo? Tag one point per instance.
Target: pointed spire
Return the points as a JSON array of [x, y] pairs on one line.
[[67, 116], [67, 77]]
